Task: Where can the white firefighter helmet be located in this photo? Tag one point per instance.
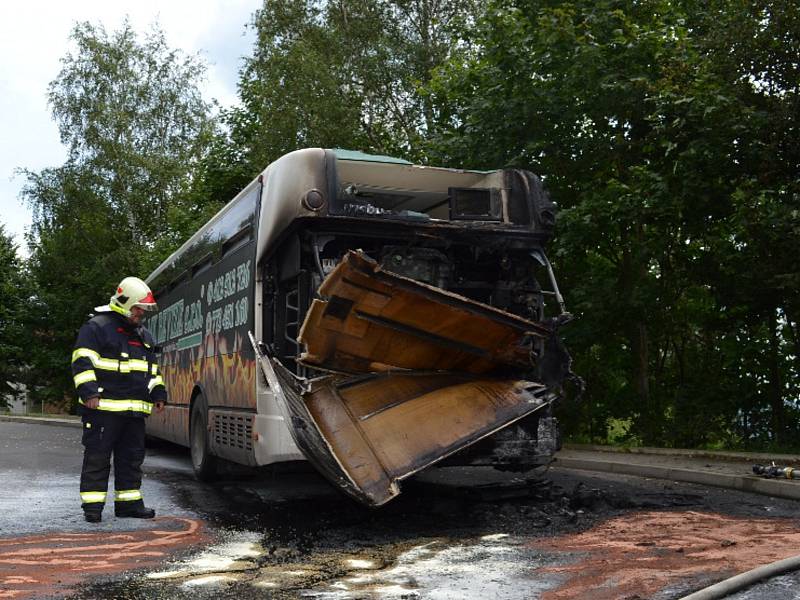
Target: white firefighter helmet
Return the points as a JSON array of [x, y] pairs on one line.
[[131, 292]]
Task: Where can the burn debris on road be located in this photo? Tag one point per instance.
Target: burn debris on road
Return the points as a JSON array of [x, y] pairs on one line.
[[430, 538], [773, 471]]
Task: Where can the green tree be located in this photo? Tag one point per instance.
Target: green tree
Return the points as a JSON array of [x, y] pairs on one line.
[[130, 113], [652, 123], [754, 45], [337, 74], [75, 261], [15, 305]]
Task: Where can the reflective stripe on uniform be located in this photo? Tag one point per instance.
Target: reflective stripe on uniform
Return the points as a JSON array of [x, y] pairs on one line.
[[141, 406], [154, 369], [107, 364], [84, 353], [127, 495], [122, 405], [137, 364], [157, 380], [90, 497], [84, 377], [111, 364]]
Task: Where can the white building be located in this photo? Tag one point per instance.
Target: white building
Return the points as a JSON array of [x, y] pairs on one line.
[[18, 403]]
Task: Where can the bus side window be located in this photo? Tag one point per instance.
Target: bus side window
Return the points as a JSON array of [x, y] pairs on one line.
[[181, 279], [236, 241], [202, 265]]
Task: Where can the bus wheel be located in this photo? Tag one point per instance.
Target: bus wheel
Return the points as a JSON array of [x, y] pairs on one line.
[[203, 462]]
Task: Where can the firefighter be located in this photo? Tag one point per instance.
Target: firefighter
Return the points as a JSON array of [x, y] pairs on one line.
[[118, 382]]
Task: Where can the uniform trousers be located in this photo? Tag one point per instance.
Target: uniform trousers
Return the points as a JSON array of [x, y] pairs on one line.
[[106, 434]]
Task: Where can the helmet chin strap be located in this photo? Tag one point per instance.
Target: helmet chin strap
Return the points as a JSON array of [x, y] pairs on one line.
[[118, 309]]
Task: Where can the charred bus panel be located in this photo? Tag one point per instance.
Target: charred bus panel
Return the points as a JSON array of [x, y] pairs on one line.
[[416, 375]]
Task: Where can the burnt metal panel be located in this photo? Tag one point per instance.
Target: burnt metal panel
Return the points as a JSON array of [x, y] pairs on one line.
[[393, 322], [529, 202], [289, 391], [365, 436]]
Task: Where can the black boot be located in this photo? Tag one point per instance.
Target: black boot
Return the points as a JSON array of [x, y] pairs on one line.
[[93, 516], [137, 512]]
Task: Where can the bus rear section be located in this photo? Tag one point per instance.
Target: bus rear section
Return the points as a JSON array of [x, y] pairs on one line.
[[413, 319]]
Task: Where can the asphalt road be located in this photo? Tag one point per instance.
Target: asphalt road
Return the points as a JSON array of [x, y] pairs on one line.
[[289, 534], [40, 467]]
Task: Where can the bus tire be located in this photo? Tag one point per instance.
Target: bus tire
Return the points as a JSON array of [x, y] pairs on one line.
[[203, 462]]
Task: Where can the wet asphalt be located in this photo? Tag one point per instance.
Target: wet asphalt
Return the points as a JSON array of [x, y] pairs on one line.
[[40, 469], [286, 533]]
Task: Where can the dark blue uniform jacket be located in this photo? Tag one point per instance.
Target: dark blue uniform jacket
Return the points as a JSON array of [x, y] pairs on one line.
[[116, 360]]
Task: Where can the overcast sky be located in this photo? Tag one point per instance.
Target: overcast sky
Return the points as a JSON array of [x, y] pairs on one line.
[[33, 38]]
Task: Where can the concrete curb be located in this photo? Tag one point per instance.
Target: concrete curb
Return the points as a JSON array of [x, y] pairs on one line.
[[744, 483], [783, 459], [42, 420]]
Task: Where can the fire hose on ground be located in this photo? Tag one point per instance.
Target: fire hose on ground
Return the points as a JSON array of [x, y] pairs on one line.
[[746, 579]]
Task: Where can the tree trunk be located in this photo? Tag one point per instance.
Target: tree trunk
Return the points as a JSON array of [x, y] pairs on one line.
[[792, 327], [641, 369], [775, 388], [633, 273]]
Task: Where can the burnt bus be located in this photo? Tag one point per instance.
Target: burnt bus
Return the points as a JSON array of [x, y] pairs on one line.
[[369, 315]]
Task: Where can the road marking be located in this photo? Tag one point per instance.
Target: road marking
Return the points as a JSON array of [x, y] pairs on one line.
[[33, 566]]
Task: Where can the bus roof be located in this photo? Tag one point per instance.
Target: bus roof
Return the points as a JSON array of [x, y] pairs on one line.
[[344, 154], [358, 156]]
